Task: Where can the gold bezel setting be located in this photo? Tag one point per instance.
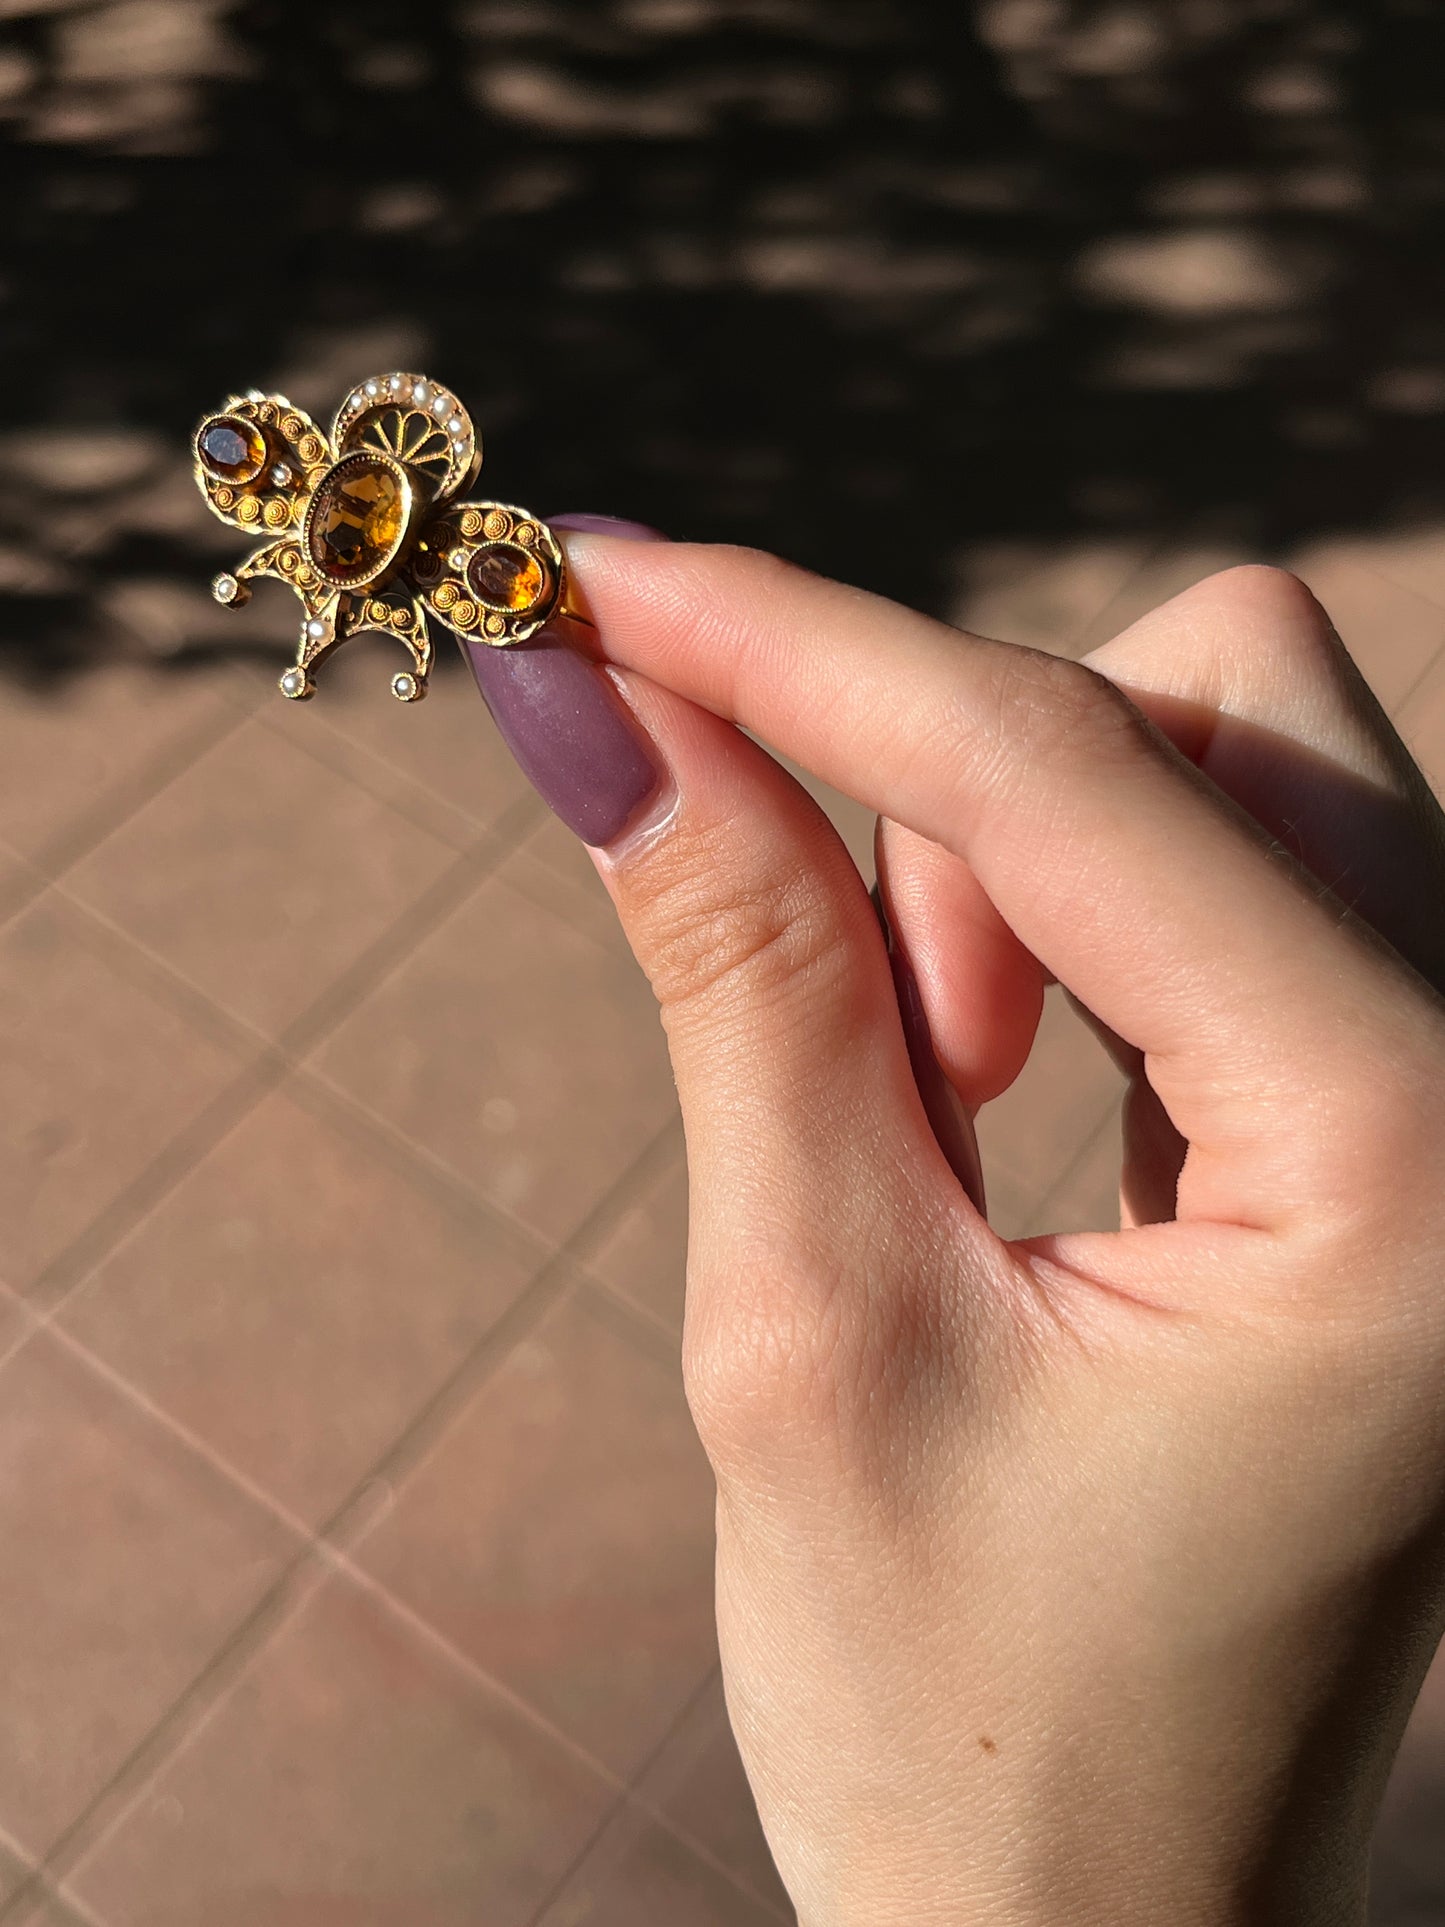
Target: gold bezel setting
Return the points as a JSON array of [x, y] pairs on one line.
[[422, 436], [445, 572], [388, 554], [235, 476]]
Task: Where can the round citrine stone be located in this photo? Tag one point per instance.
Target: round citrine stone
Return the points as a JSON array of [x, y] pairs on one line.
[[508, 578], [231, 449], [358, 521]]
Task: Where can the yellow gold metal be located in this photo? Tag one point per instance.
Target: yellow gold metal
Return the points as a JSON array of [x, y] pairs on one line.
[[366, 528]]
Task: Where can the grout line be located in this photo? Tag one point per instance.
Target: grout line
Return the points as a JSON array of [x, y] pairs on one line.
[[630, 1323], [630, 1798], [1397, 715], [651, 1326], [158, 1414], [654, 1165], [117, 1221], [556, 1278], [1080, 637], [346, 756], [75, 1910], [154, 975], [382, 958], [132, 793], [420, 1168], [107, 1809], [418, 1161], [256, 1080], [8, 1843], [328, 1549], [26, 885]]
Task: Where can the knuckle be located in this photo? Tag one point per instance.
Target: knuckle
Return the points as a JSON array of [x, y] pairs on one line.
[[816, 1349], [1060, 707], [760, 1368], [711, 938]]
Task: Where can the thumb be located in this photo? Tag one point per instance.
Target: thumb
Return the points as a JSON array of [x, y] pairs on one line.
[[810, 1153], [763, 947]]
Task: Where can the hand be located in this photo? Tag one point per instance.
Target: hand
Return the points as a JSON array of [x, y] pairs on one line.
[[1088, 1579]]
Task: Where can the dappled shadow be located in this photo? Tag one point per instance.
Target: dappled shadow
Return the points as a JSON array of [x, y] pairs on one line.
[[868, 285]]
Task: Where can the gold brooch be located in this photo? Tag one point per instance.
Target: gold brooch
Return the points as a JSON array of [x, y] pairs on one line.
[[366, 526]]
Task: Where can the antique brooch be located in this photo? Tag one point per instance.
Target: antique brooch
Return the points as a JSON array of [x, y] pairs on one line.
[[366, 526]]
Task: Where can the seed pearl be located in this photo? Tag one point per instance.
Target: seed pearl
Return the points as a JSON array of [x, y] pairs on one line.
[[373, 389], [316, 630], [420, 392]]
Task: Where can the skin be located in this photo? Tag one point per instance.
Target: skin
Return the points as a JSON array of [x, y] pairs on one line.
[[1089, 1579]]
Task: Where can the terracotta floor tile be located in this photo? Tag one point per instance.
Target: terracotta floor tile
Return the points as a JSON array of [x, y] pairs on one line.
[[697, 1782], [127, 1563], [524, 1055], [1032, 1134], [1421, 721], [261, 874], [561, 1534], [1407, 1888], [553, 868], [1415, 558], [70, 753], [99, 1076], [1161, 578], [447, 746], [13, 1323], [639, 1874], [1043, 596], [49, 1910], [296, 1300], [353, 1778], [1392, 633], [643, 1256], [12, 1872], [18, 882]]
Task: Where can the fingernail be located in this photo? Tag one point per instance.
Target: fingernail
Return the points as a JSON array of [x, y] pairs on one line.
[[952, 1126], [625, 531], [561, 716]]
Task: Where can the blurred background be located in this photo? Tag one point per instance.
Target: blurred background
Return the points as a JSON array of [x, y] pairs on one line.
[[356, 1549]]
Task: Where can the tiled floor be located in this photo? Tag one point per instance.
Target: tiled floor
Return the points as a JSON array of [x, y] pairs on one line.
[[357, 1545]]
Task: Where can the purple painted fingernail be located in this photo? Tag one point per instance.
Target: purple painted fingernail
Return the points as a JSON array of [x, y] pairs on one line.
[[575, 739], [618, 526]]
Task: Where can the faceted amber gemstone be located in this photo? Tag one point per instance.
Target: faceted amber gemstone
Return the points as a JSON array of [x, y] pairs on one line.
[[357, 521], [503, 576], [231, 449]]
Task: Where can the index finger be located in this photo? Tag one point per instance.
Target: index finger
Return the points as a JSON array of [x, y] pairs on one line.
[[1159, 903]]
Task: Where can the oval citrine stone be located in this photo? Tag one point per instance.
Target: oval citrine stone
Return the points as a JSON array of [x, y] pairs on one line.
[[506, 577], [357, 521], [231, 449]]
